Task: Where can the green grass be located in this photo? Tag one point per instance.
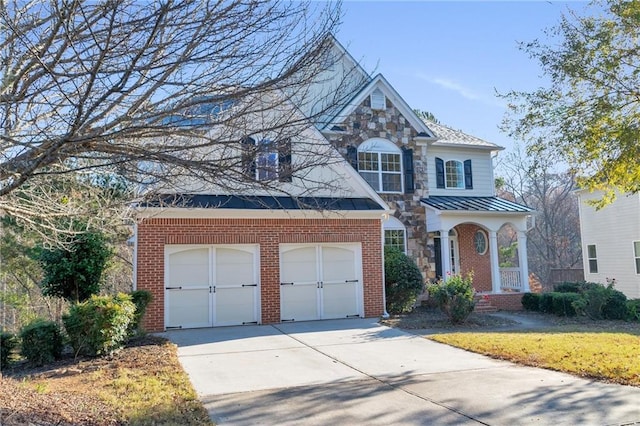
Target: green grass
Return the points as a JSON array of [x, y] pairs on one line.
[[607, 356]]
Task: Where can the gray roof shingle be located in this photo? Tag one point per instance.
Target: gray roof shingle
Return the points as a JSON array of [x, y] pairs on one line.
[[448, 135]]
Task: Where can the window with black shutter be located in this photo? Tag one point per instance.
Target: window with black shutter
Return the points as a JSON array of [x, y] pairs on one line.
[[407, 163], [439, 172], [285, 172], [468, 175], [267, 160]]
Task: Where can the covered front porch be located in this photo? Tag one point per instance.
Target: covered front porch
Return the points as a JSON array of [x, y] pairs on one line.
[[466, 231]]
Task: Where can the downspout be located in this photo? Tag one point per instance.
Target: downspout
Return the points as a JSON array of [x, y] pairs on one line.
[[385, 314], [135, 256]]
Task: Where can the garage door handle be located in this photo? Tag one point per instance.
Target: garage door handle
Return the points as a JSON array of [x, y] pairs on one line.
[[351, 281], [173, 288], [286, 283], [249, 285]]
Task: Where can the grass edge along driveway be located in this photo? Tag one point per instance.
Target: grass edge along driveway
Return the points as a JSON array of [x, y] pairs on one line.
[[606, 356]]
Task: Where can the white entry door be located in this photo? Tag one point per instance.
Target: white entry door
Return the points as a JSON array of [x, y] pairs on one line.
[[211, 286], [320, 281]]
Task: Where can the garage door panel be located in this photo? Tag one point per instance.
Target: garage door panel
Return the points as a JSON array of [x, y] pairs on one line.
[[234, 266], [235, 305], [299, 265], [299, 302], [189, 268], [340, 300], [188, 308], [338, 264]]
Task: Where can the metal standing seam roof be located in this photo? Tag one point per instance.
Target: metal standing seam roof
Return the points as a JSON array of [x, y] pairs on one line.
[[253, 202], [476, 204]]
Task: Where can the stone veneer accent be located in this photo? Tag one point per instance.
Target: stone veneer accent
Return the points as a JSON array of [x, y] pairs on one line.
[[366, 123]]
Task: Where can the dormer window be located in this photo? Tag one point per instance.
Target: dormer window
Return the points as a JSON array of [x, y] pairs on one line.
[[380, 164], [454, 174], [378, 100], [265, 159]]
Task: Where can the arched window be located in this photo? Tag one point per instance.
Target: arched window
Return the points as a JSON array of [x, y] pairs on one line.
[[380, 164], [395, 234]]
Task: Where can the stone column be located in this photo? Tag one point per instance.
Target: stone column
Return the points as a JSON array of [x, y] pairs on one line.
[[495, 262], [445, 254], [522, 260]]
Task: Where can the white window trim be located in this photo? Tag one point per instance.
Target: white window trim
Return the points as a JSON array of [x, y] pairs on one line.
[[382, 146], [446, 182], [394, 224], [589, 259], [486, 242], [636, 256], [384, 100]]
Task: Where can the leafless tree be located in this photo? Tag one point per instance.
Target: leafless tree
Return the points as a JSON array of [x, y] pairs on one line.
[[554, 241], [152, 92]]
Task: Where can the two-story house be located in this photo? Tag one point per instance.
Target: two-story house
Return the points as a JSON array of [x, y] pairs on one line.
[[611, 241], [438, 181], [305, 243]]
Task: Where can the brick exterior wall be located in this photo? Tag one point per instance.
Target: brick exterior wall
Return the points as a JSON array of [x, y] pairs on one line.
[[507, 301], [471, 260], [366, 123], [155, 233]]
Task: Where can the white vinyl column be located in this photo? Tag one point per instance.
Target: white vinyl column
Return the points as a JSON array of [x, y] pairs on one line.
[[522, 260], [445, 253], [495, 262]]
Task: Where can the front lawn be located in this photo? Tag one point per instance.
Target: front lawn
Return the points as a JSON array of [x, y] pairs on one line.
[[609, 356]]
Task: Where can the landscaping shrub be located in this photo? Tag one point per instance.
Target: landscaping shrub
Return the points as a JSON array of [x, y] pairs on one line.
[[531, 301], [41, 342], [633, 310], [546, 303], [574, 287], [8, 343], [615, 308], [455, 297], [403, 281], [140, 299], [562, 303], [99, 325], [600, 302]]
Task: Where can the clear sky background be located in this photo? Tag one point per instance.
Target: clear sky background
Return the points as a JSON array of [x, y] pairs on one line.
[[450, 58]]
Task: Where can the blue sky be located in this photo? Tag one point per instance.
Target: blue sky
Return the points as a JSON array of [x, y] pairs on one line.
[[449, 58]]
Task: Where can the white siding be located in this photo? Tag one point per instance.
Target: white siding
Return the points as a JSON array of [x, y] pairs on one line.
[[613, 230], [481, 166]]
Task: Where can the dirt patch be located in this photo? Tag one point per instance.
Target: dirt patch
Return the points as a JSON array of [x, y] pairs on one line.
[[80, 392], [424, 317]]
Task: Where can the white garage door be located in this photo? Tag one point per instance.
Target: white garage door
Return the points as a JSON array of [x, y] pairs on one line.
[[211, 286], [320, 281]]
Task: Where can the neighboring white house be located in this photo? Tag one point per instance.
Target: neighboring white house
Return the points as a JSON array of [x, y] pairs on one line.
[[611, 241]]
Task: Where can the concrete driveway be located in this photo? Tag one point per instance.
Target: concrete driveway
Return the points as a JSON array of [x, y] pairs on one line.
[[360, 372]]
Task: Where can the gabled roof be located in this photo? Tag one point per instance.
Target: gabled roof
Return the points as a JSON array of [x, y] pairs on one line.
[[379, 82], [446, 136], [474, 204]]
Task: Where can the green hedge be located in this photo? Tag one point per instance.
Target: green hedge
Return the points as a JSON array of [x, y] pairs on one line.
[[41, 342], [99, 325], [633, 310], [531, 301], [8, 343], [141, 299]]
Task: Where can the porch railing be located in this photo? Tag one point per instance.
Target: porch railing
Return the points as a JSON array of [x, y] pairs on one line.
[[510, 279]]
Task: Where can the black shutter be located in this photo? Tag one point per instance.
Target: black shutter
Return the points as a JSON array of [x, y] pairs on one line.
[[468, 176], [249, 157], [285, 173], [439, 172], [437, 248], [352, 156], [407, 163]]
